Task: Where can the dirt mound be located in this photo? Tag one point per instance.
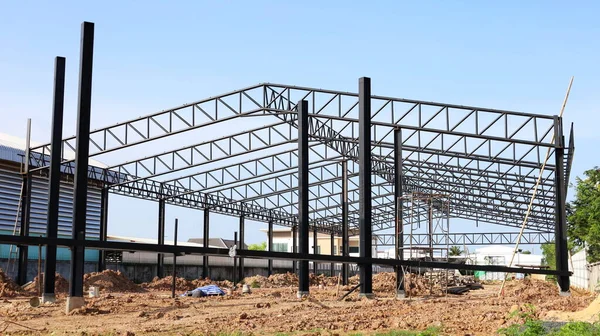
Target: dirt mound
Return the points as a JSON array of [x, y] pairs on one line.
[[8, 288], [589, 314], [273, 281], [207, 281], [530, 290], [182, 284], [61, 285], [164, 284], [109, 280], [321, 279]]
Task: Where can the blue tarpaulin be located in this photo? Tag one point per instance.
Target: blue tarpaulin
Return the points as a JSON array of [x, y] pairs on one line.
[[205, 291]]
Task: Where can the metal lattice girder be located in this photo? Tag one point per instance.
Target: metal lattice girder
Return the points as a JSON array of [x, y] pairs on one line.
[[492, 154], [461, 239], [207, 152]]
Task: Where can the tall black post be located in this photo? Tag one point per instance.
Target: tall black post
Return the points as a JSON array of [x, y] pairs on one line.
[[174, 273], [560, 229], [399, 228], [25, 215], [242, 229], [294, 248], [75, 299], [303, 276], [332, 247], [235, 238], [48, 294], [205, 269], [345, 238], [315, 250], [103, 227], [160, 262], [270, 246], [364, 185]]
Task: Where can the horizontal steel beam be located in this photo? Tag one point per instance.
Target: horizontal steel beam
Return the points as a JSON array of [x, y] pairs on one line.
[[180, 249]]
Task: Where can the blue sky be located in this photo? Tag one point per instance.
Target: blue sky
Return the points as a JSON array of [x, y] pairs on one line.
[[151, 56]]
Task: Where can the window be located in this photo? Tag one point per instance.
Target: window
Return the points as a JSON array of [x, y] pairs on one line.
[[318, 250], [341, 251], [353, 249], [335, 248], [280, 247]]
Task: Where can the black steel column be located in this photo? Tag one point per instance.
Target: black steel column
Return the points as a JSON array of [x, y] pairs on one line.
[[160, 262], [54, 177], [103, 227], [399, 226], [174, 272], [242, 229], [25, 211], [303, 248], [270, 246], [345, 238], [364, 184], [332, 247], [235, 242], [294, 247], [205, 243], [315, 248], [562, 252], [81, 157]]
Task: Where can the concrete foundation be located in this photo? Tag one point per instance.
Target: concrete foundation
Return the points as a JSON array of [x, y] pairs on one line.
[[74, 302], [400, 294], [366, 295], [560, 293], [302, 294], [48, 298]]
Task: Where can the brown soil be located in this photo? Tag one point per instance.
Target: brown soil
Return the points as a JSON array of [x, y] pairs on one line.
[[271, 310], [181, 284], [61, 285], [8, 288], [111, 281]]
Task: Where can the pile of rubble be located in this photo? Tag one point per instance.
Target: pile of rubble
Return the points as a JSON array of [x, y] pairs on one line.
[[61, 285], [8, 288], [109, 280]]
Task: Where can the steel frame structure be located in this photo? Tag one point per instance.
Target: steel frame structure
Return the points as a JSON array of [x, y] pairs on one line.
[[488, 159]]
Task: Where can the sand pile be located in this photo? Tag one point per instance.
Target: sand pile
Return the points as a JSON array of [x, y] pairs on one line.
[[61, 285], [109, 280], [8, 288]]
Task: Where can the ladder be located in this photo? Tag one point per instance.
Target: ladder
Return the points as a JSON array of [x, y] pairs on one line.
[[14, 251]]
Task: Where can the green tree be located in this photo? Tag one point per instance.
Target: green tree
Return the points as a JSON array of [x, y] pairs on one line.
[[258, 247], [455, 251], [583, 215]]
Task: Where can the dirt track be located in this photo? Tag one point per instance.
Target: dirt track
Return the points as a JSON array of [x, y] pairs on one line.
[[272, 310]]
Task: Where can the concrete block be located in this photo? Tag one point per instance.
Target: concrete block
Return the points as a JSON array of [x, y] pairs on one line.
[[74, 302]]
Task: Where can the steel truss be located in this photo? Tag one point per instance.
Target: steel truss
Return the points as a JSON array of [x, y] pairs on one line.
[[460, 239], [487, 159]]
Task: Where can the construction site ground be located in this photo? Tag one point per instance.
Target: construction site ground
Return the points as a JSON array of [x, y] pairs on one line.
[[150, 310]]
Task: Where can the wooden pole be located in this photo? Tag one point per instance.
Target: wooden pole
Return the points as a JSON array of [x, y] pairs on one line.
[[535, 188]]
